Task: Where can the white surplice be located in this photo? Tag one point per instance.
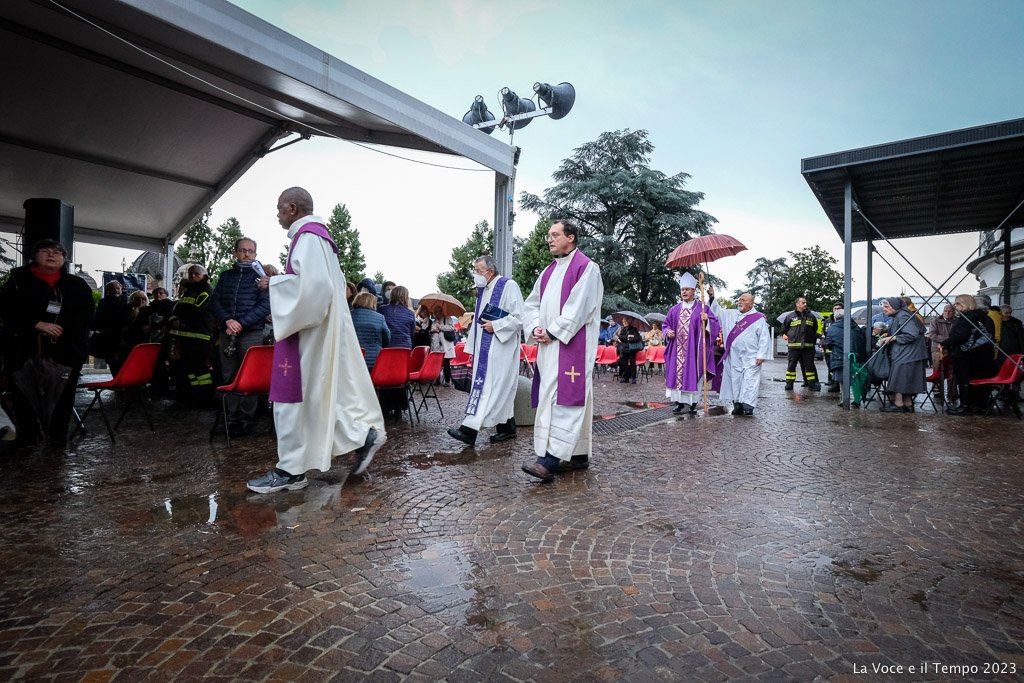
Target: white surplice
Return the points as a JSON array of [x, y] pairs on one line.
[[564, 431], [339, 404], [741, 375], [497, 401]]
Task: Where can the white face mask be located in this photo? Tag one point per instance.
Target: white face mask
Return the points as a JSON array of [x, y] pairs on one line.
[[479, 280]]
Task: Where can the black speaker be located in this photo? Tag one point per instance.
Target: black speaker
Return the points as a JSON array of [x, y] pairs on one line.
[[47, 218]]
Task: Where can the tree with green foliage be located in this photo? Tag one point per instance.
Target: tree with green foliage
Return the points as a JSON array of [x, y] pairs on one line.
[[458, 282], [378, 277], [531, 255], [762, 277], [630, 215], [810, 273], [213, 248]]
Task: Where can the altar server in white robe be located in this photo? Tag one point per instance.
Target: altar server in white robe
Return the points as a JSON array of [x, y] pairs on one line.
[[563, 313], [324, 401], [748, 344], [494, 342]]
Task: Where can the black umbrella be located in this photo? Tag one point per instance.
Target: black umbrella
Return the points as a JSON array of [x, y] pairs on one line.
[[42, 381], [637, 319]]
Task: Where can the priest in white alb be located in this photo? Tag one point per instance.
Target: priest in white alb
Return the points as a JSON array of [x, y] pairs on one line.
[[494, 342], [563, 313], [324, 401], [748, 344]]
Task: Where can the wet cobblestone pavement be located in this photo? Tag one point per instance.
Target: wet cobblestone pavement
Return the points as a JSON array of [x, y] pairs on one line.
[[806, 543]]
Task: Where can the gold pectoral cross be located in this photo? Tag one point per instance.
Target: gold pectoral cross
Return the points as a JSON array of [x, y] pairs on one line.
[[286, 366], [572, 374]]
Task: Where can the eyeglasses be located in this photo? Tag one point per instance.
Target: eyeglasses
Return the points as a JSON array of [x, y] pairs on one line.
[[51, 250], [240, 250]]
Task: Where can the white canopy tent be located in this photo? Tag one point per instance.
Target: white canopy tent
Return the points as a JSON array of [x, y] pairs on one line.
[[141, 113]]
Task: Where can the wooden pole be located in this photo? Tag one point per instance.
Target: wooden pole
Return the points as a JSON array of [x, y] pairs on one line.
[[700, 345]]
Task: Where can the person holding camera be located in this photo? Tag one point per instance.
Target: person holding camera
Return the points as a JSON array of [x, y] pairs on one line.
[[630, 343]]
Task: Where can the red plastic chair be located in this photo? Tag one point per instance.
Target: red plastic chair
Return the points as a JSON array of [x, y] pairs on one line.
[[609, 357], [391, 371], [461, 357], [134, 377], [416, 358], [641, 364], [527, 359], [656, 357], [423, 382], [935, 377], [1012, 372], [252, 379]]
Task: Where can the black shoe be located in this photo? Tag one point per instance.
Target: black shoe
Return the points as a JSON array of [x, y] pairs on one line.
[[460, 434], [892, 408], [814, 386], [789, 386], [633, 381], [748, 411], [693, 409], [833, 388], [365, 453], [737, 408], [678, 410], [502, 436]]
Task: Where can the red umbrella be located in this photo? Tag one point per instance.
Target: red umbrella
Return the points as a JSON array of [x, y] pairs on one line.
[[699, 250], [703, 249]]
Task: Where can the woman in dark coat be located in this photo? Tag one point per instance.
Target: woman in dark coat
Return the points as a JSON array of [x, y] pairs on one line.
[[907, 355], [43, 307], [630, 343], [970, 345]]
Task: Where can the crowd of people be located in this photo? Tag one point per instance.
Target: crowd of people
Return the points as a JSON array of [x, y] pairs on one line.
[[328, 334]]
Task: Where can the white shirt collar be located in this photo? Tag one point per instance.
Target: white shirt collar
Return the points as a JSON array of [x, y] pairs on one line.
[[302, 221]]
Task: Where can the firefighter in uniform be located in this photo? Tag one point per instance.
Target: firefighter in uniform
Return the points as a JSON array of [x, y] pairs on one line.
[[192, 324], [801, 329]]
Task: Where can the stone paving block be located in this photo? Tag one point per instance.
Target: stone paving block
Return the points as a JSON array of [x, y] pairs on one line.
[[752, 561]]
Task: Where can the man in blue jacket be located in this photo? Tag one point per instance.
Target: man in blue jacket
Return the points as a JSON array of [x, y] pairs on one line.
[[241, 309]]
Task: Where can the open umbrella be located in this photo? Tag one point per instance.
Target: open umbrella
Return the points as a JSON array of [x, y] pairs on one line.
[[449, 304], [703, 249], [637, 319], [656, 317]]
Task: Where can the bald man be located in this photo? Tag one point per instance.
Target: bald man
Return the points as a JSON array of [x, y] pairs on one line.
[[748, 344], [324, 402]]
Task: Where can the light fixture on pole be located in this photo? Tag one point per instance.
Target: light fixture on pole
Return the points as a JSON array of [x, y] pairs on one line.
[[517, 112]]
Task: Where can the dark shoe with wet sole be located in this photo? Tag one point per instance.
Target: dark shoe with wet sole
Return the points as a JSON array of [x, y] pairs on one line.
[[459, 435], [535, 469], [577, 462]]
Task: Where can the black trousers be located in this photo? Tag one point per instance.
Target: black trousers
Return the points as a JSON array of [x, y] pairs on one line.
[[804, 356]]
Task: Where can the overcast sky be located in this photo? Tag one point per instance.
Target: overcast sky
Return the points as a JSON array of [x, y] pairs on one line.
[[733, 93]]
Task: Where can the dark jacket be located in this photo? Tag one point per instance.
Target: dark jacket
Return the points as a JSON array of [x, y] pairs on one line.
[[834, 343], [23, 302], [401, 323], [372, 331], [974, 363], [801, 329], [237, 297], [191, 316], [1013, 336]]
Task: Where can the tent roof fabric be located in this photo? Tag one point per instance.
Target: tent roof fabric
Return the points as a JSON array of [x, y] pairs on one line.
[[959, 181], [119, 108]]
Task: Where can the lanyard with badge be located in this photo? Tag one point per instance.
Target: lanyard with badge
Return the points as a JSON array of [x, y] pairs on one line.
[[54, 306]]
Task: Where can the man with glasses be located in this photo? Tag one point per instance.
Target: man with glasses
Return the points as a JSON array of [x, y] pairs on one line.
[[241, 307], [45, 312], [563, 313]]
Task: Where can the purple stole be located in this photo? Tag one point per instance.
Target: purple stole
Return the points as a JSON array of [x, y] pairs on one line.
[[572, 356], [485, 346], [286, 373], [737, 329]]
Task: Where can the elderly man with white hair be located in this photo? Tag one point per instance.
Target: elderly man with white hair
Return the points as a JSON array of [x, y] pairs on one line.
[[748, 344]]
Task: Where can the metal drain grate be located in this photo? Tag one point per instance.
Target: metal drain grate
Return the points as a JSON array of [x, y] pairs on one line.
[[624, 423]]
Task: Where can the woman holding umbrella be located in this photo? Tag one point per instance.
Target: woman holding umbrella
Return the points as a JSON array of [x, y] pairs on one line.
[[630, 343], [46, 313]]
